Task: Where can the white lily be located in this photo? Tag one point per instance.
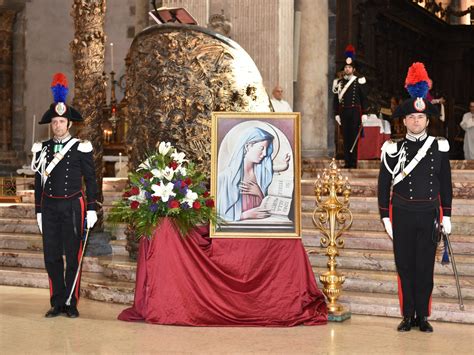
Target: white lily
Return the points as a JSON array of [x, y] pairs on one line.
[[168, 173], [144, 165], [157, 173], [179, 157], [164, 148], [164, 191], [182, 170], [140, 197], [190, 197]]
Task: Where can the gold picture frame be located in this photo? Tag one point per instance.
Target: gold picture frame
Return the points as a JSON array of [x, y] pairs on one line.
[[256, 174]]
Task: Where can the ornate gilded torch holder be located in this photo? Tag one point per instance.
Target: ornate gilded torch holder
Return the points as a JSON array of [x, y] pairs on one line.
[[332, 217]]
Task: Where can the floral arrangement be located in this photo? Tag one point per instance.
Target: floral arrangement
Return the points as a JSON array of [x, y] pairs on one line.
[[165, 185]]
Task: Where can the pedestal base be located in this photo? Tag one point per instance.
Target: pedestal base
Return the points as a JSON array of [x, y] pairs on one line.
[[340, 316]]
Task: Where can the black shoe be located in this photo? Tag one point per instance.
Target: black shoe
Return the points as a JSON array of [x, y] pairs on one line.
[[72, 312], [425, 326], [405, 324], [54, 311]]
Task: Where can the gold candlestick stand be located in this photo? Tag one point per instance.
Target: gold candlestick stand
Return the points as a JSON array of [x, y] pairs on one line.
[[332, 217]]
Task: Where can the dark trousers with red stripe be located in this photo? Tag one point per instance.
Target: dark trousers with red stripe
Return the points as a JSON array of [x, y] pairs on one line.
[[350, 121], [62, 221], [415, 249]]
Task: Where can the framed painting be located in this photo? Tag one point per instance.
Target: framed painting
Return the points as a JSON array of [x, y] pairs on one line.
[[255, 174]]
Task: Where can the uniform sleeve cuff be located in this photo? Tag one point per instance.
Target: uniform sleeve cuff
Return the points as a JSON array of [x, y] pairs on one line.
[[384, 212], [91, 206], [447, 211]]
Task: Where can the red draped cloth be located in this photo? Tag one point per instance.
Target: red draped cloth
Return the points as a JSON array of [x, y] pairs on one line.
[[370, 145], [224, 282]]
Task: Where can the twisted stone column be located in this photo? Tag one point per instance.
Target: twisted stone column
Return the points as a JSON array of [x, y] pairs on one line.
[[7, 18], [88, 50]]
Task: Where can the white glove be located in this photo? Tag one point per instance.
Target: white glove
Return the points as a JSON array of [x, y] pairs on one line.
[[364, 119], [338, 120], [388, 226], [91, 219], [40, 222], [446, 225]]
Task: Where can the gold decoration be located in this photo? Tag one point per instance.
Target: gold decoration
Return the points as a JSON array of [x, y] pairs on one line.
[[176, 77], [332, 217], [88, 53]]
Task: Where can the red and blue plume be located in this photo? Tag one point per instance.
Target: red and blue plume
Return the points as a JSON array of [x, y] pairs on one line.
[[417, 80], [350, 51], [59, 87]]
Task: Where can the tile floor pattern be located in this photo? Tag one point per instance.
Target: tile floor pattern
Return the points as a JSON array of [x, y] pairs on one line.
[[23, 329]]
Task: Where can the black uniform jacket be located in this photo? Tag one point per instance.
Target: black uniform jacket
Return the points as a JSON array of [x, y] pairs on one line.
[[355, 95], [66, 179], [428, 186]]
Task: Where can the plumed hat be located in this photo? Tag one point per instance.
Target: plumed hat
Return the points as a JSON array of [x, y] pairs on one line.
[[417, 85], [59, 108], [349, 52]]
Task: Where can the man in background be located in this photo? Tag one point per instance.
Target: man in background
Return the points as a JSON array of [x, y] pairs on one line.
[[279, 105], [467, 124]]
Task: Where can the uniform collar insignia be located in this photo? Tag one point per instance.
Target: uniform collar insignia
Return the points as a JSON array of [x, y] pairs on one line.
[[416, 138], [62, 141]]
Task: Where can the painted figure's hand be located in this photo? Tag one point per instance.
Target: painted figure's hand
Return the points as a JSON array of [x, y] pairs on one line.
[[388, 226], [91, 219], [364, 119], [447, 225], [256, 213], [338, 119], [39, 219], [282, 166], [250, 188]]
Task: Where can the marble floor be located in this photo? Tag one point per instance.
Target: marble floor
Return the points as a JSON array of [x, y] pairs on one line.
[[23, 329]]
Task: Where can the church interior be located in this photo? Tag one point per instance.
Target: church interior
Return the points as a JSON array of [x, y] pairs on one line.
[[143, 72]]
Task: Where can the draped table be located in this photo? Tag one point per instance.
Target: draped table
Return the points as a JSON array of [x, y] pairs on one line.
[[376, 132], [223, 282]]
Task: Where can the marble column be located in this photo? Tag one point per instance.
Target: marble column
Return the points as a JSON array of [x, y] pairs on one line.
[[311, 92], [141, 14], [460, 5]]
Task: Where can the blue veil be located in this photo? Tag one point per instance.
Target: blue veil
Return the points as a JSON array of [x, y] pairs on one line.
[[229, 205]]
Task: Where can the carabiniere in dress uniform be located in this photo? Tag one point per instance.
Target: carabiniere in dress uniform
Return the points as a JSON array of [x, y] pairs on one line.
[[415, 195], [62, 164], [350, 107]]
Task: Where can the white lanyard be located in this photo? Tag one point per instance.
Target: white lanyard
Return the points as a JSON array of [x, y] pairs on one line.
[[418, 157]]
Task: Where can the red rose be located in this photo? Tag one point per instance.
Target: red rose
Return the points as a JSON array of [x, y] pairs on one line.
[[155, 199], [126, 194], [148, 176], [134, 191], [183, 184], [173, 165], [196, 205], [188, 181], [210, 203], [173, 204], [206, 194], [134, 205]]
